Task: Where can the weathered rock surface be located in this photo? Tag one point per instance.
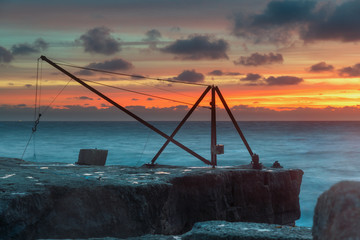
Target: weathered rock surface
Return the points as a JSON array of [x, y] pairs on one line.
[[221, 230], [62, 201], [337, 213]]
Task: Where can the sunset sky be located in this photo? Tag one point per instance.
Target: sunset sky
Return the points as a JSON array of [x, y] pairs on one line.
[[272, 60]]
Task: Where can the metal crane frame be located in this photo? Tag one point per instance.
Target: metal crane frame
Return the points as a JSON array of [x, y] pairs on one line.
[[213, 148]]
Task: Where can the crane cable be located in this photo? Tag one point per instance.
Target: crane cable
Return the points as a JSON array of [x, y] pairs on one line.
[[37, 112], [141, 93], [132, 75]]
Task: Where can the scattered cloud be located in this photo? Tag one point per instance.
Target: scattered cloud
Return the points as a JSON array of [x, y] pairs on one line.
[[28, 85], [84, 98], [321, 67], [251, 77], [190, 76], [216, 73], [283, 80], [150, 99], [198, 47], [353, 71], [134, 99], [221, 73], [110, 65], [257, 59], [152, 35], [25, 49], [5, 55], [175, 29], [99, 40]]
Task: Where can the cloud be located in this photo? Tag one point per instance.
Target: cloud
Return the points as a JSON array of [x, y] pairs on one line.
[[216, 73], [175, 29], [26, 49], [257, 59], [321, 67], [111, 65], [284, 12], [221, 73], [353, 71], [175, 113], [40, 44], [341, 23], [190, 76], [99, 40], [152, 35], [251, 77], [84, 98], [283, 80], [276, 23], [198, 47], [28, 85], [5, 55], [281, 21], [150, 99]]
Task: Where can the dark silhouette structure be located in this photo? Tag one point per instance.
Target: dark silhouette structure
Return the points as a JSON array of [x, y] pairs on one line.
[[214, 148]]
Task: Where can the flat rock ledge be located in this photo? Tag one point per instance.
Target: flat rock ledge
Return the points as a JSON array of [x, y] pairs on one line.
[[52, 201], [222, 230]]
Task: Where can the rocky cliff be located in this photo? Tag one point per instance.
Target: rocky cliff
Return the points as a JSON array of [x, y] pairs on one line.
[[60, 201], [337, 212]]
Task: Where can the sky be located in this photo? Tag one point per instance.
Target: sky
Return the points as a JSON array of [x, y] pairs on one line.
[[274, 60]]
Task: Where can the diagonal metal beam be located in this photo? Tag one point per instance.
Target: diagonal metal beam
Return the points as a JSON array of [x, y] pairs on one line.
[[234, 121], [181, 124], [125, 110]]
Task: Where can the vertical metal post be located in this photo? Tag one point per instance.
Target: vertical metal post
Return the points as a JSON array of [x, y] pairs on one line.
[[213, 127]]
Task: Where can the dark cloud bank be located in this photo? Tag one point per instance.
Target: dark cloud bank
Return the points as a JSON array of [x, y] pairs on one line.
[[6, 56], [310, 20], [254, 79], [25, 48], [176, 113], [218, 72], [257, 59], [321, 67], [116, 64], [353, 71], [198, 47], [190, 76], [99, 40]]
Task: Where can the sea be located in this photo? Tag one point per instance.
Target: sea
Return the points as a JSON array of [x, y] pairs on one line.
[[327, 152]]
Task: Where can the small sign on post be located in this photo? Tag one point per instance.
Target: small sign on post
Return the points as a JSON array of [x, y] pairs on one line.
[[92, 157]]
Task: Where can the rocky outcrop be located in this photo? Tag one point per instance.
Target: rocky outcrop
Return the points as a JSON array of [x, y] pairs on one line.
[[221, 230], [59, 201], [337, 212]]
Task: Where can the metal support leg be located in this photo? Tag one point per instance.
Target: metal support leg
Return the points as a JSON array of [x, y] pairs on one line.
[[234, 121], [181, 124], [213, 128], [125, 110]]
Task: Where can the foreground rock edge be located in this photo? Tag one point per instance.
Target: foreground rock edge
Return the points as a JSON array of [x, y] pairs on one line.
[[37, 197]]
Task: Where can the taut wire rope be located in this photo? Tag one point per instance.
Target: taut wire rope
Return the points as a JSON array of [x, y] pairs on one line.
[[37, 112], [141, 93]]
